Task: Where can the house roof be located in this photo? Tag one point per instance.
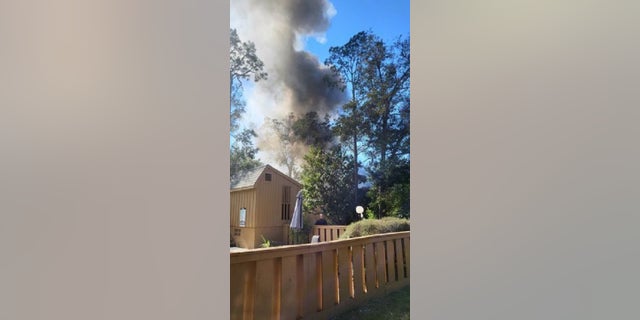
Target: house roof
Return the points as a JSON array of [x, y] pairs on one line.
[[249, 178]]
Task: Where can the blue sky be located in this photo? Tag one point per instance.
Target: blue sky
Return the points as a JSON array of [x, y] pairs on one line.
[[387, 19]]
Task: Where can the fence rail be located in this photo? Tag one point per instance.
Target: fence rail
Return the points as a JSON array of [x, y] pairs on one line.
[[328, 233], [316, 281]]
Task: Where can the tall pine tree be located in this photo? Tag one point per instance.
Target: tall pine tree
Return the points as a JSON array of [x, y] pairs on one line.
[[244, 66], [375, 122]]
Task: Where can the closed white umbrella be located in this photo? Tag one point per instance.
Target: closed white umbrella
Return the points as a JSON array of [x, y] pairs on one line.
[[296, 220]]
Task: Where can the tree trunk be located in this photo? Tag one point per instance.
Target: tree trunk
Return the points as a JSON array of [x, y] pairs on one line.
[[355, 169]]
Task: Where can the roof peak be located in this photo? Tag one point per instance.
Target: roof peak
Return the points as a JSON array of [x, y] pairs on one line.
[[248, 178]]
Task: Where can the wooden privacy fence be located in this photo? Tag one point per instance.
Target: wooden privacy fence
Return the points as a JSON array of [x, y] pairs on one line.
[[328, 233], [316, 281]]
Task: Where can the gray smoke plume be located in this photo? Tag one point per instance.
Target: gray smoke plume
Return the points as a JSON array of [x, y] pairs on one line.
[[297, 80]]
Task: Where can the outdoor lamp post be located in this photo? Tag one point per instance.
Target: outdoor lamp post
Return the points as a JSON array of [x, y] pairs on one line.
[[359, 211]]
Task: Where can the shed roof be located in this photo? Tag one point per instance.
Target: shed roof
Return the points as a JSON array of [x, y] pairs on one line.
[[249, 178]]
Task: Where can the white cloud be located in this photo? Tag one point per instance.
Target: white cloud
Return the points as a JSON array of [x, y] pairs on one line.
[[331, 10]]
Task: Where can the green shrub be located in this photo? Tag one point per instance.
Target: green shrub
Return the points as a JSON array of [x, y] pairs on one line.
[[369, 214], [375, 226], [265, 243]]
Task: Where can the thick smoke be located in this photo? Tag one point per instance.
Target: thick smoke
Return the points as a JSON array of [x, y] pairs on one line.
[[297, 80]]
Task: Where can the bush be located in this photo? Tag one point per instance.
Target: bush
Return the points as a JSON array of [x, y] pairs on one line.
[[266, 243], [375, 226]]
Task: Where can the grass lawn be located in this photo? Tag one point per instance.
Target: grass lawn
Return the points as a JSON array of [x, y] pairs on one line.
[[393, 306]]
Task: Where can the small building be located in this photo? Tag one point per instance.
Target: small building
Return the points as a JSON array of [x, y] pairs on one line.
[[262, 204]]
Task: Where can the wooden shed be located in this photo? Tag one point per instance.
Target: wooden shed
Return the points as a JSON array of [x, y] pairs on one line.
[[262, 204]]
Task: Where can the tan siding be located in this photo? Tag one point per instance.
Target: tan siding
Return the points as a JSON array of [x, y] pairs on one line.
[[264, 208], [269, 196], [241, 199]]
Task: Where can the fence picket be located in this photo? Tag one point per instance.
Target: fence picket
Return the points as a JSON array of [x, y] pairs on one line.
[[407, 255], [329, 279], [265, 302], [381, 265], [400, 259], [289, 299], [370, 268], [344, 271], [391, 266], [328, 232], [238, 294], [358, 272]]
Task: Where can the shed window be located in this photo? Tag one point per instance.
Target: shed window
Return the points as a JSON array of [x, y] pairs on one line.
[[267, 177], [286, 203], [243, 217]]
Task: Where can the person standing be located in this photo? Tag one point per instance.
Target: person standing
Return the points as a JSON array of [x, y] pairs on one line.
[[321, 221]]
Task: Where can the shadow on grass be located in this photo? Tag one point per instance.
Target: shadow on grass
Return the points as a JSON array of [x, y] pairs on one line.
[[392, 306]]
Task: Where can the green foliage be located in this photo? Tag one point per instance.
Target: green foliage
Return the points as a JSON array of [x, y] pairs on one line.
[[244, 65], [369, 214], [387, 82], [374, 124], [326, 184], [266, 243], [243, 154], [244, 60], [390, 189], [288, 139], [348, 62], [313, 131], [375, 226]]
